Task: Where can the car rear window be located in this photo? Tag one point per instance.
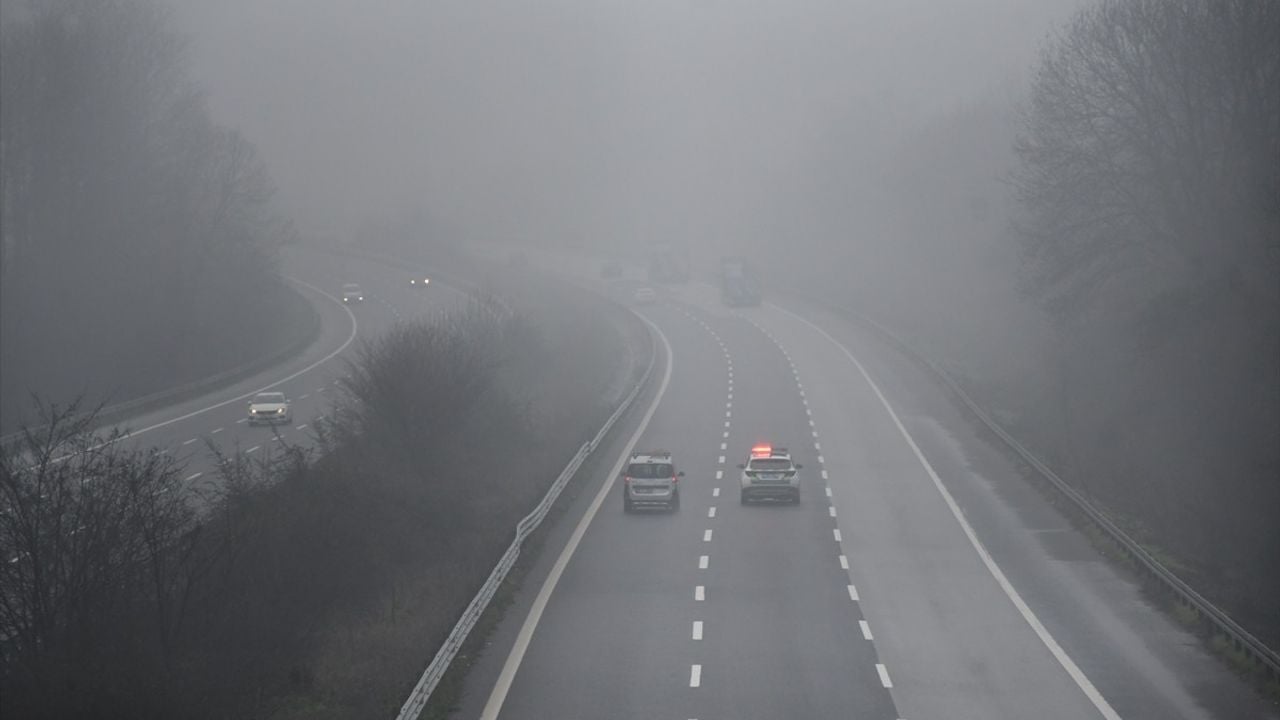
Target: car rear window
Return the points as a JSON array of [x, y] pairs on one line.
[[650, 470], [770, 464]]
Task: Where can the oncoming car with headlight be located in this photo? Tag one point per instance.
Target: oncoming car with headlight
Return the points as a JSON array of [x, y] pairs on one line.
[[419, 281], [270, 408], [769, 473], [351, 293]]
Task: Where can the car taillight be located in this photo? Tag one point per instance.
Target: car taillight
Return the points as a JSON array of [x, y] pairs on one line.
[[626, 479], [674, 480]]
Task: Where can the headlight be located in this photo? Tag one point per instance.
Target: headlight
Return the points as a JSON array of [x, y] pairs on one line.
[[280, 411]]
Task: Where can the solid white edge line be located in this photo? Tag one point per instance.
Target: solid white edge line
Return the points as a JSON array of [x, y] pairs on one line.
[[502, 686], [1082, 681]]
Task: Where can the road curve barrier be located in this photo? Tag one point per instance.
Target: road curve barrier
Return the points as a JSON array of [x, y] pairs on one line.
[[1240, 640], [417, 701]]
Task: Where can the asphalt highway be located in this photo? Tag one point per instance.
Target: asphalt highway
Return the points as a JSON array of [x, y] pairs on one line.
[[919, 577]]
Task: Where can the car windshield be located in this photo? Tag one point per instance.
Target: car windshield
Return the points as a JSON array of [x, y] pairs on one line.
[[271, 397], [351, 288], [650, 470], [770, 464]]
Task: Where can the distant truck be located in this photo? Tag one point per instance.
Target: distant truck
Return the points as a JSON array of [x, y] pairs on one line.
[[738, 284]]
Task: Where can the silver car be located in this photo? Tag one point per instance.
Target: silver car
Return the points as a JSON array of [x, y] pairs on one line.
[[651, 481], [270, 408], [351, 293], [769, 473]]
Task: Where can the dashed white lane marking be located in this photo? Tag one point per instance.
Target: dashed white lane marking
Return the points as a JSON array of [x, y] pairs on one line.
[[730, 396], [844, 562], [711, 511], [884, 675], [703, 561], [721, 460], [706, 535], [302, 426], [304, 396], [697, 629], [719, 476], [816, 446], [728, 405], [728, 413], [724, 446], [811, 423], [824, 474], [853, 593], [242, 420], [1082, 681], [836, 532], [831, 510], [726, 433], [699, 593], [815, 433], [726, 423], [319, 389], [215, 431], [695, 676], [252, 449], [828, 490], [866, 630], [822, 460], [188, 442], [192, 476]]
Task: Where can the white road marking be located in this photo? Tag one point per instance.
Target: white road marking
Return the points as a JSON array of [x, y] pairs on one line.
[[831, 510], [719, 474], [706, 535], [853, 593], [828, 491], [215, 431], [304, 396], [1082, 681], [824, 475], [703, 560], [730, 396], [822, 460], [715, 492], [728, 413], [302, 426], [808, 412], [728, 405], [252, 449], [726, 423], [699, 593], [811, 423], [711, 511], [695, 676], [817, 446], [697, 629], [884, 675], [493, 706], [836, 533], [319, 389], [844, 562], [188, 442], [241, 420], [721, 460], [192, 476], [726, 433], [724, 446], [866, 630]]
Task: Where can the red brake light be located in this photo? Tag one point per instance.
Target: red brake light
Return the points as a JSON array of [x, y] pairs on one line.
[[761, 451]]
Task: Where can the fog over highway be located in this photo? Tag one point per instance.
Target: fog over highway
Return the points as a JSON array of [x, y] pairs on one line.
[[915, 252]]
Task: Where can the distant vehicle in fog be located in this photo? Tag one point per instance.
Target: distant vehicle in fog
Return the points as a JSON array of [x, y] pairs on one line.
[[738, 284], [351, 293], [645, 296], [270, 408], [419, 281]]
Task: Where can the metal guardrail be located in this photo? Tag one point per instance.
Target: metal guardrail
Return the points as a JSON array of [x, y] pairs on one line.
[[417, 701], [112, 414], [1242, 641]]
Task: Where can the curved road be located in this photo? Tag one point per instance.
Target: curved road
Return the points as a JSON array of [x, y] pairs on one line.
[[217, 419], [920, 577]]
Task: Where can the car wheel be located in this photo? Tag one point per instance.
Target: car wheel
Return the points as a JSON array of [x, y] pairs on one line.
[[675, 501]]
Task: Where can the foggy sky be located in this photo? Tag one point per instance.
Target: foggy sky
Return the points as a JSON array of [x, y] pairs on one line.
[[602, 119]]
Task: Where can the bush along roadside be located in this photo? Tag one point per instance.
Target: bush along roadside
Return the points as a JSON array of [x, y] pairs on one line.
[[312, 582]]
